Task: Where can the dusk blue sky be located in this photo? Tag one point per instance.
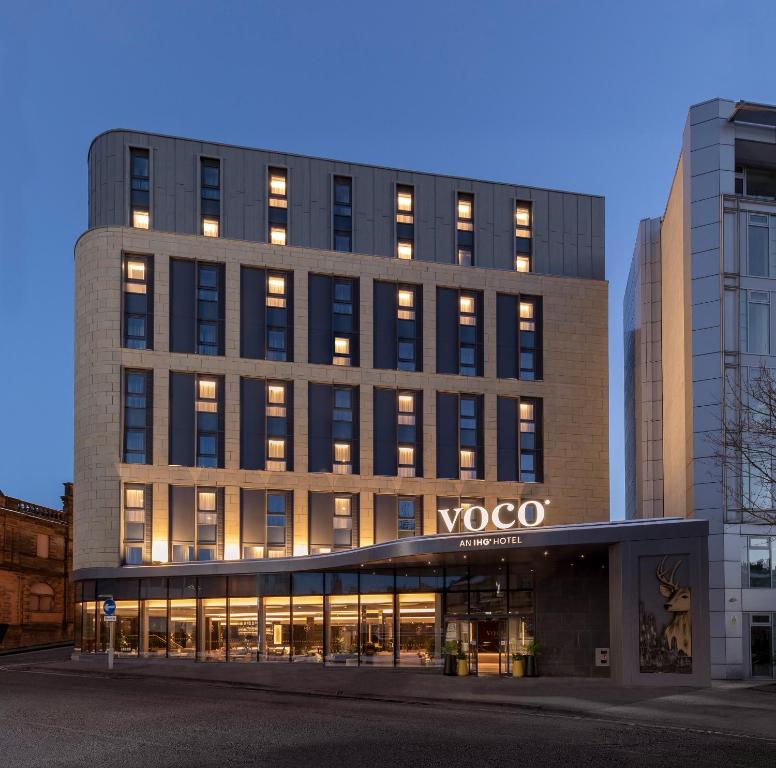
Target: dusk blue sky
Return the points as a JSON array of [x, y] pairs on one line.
[[590, 97]]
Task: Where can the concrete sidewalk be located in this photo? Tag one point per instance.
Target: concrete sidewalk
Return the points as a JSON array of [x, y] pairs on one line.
[[744, 709]]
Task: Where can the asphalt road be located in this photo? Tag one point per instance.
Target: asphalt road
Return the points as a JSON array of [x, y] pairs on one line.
[[50, 718]]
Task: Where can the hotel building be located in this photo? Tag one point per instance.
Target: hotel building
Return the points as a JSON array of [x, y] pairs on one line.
[[344, 414], [698, 326]]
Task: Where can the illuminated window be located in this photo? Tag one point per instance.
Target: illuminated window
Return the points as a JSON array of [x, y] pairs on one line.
[[523, 236], [209, 437], [529, 338], [406, 433], [466, 304], [467, 459], [406, 329], [343, 432], [138, 302], [278, 432], [342, 214], [134, 523], [207, 524], [276, 291], [467, 335], [343, 323], [277, 205], [465, 229], [406, 298], [341, 351], [407, 406], [405, 222], [343, 522], [140, 188], [210, 196], [342, 453], [277, 317], [406, 461], [530, 441]]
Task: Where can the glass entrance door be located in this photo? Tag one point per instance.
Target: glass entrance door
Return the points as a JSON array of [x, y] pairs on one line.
[[489, 646]]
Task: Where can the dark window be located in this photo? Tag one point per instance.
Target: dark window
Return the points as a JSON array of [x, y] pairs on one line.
[[197, 307], [209, 296], [459, 332], [138, 417], [405, 221], [343, 214], [523, 236], [264, 523], [465, 229], [209, 422], [333, 320], [266, 313], [758, 251], [342, 322], [140, 189], [138, 300], [207, 523], [398, 316], [277, 202], [210, 197], [397, 517], [468, 437]]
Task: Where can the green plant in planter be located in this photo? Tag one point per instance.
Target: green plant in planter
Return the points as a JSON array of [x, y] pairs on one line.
[[461, 655], [450, 648], [534, 648], [517, 657]]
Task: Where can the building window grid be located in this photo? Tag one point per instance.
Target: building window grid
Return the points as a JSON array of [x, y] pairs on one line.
[[140, 189], [208, 421], [342, 214], [209, 293], [210, 196], [523, 236], [465, 229], [467, 437], [467, 334], [277, 426], [138, 302], [406, 431], [277, 203], [405, 222], [343, 431], [138, 420], [134, 523], [343, 337], [277, 316]]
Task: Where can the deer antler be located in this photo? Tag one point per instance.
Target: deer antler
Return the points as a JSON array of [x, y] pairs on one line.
[[661, 573]]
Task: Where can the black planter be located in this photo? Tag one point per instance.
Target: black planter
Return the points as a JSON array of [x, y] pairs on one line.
[[530, 666], [450, 667]]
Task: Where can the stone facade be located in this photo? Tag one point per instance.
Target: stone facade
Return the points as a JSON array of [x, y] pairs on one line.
[[574, 389], [36, 592]]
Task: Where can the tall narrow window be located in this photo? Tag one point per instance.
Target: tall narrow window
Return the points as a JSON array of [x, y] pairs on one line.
[[134, 523], [406, 325], [465, 229], [529, 338], [405, 221], [277, 213], [530, 446], [343, 522], [277, 523], [407, 517], [758, 322], [342, 431], [468, 437], [278, 316], [761, 246], [138, 417], [523, 236], [342, 322], [138, 302], [406, 434], [207, 523], [277, 426], [210, 197], [467, 332], [343, 214], [209, 293], [140, 189], [209, 422]]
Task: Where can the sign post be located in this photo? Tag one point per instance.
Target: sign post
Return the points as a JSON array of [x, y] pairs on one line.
[[109, 616]]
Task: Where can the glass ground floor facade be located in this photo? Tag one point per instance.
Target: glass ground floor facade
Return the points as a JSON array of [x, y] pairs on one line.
[[388, 617]]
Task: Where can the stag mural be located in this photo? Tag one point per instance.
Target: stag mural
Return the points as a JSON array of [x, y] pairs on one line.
[[678, 633]]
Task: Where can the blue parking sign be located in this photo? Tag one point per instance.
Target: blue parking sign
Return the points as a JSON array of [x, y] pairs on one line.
[[109, 607]]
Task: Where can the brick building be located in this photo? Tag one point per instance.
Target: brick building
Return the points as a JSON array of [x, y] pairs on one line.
[[36, 560]]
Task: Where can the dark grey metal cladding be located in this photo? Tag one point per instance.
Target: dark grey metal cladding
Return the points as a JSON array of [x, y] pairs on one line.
[[568, 227], [418, 549]]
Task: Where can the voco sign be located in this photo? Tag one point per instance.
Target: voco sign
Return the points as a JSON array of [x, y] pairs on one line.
[[503, 516]]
